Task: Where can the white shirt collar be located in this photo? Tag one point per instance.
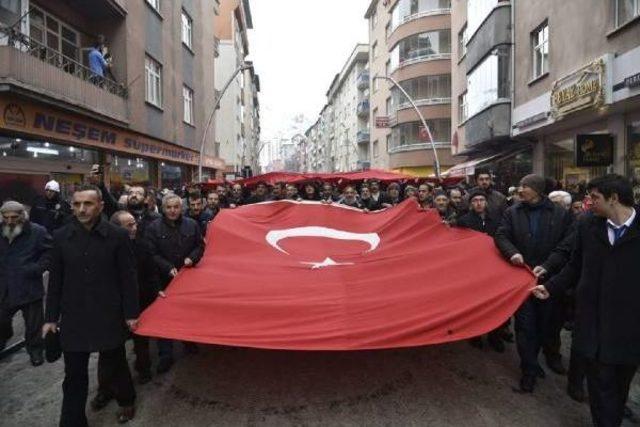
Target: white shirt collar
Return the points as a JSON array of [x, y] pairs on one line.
[[627, 223]]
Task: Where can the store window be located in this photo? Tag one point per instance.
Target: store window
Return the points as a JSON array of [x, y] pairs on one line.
[[45, 150], [129, 171], [172, 176], [560, 164], [633, 156], [490, 81]]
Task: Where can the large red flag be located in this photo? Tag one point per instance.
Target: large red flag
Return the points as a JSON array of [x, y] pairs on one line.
[[310, 276]]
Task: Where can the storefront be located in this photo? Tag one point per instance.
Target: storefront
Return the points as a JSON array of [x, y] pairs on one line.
[[38, 143]]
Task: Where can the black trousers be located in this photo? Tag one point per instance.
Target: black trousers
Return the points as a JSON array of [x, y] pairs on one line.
[[75, 387], [608, 390], [33, 316], [532, 332]]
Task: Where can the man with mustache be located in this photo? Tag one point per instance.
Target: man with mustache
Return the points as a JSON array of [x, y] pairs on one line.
[[24, 249]]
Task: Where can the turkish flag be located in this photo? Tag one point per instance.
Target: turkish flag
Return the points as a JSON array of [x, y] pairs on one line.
[[311, 276]]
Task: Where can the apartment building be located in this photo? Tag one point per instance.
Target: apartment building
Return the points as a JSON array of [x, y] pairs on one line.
[[251, 120], [143, 123], [577, 87], [231, 27], [410, 41]]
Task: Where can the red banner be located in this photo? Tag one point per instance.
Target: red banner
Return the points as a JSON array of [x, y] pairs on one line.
[[309, 276]]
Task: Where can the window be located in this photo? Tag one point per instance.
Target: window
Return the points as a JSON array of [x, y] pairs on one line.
[[387, 30], [462, 42], [477, 12], [424, 88], [490, 81], [626, 10], [409, 133], [462, 107], [540, 50], [374, 19], [187, 25], [376, 149], [53, 33], [389, 106], [153, 74], [421, 46], [405, 9], [387, 68], [187, 101], [154, 4], [374, 50]]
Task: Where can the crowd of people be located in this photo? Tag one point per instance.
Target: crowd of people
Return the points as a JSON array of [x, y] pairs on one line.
[[105, 257]]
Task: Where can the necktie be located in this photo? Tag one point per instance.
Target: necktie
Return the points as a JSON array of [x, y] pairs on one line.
[[617, 232]]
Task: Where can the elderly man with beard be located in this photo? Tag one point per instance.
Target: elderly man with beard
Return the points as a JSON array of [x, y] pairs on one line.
[[50, 210], [350, 197], [92, 302], [24, 249], [424, 196], [176, 243]]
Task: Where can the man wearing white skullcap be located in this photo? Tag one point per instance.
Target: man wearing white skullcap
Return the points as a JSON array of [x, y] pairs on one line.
[[51, 211]]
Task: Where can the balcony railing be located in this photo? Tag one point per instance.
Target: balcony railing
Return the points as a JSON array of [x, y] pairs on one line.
[[363, 136], [363, 108], [50, 56], [363, 80]]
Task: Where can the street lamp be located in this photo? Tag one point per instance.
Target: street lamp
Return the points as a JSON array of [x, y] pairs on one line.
[[424, 122], [242, 67]]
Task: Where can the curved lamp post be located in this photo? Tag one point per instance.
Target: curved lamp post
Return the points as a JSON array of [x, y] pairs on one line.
[[244, 66], [436, 160]]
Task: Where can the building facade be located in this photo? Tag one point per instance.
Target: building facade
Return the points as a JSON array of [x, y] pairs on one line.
[[237, 106], [482, 83], [143, 123], [410, 41], [251, 121], [577, 87]]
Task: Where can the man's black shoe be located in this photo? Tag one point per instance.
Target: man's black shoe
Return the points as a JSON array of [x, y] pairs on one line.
[[527, 383], [555, 364], [164, 365], [36, 358], [576, 392], [496, 343], [100, 401]]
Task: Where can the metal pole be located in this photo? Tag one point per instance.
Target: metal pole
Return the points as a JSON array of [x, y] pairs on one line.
[[436, 160], [243, 67]]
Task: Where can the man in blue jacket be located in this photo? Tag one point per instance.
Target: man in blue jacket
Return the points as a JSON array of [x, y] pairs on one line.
[[24, 249]]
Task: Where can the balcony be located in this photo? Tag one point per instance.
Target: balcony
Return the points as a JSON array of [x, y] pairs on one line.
[[362, 110], [34, 67], [363, 136], [363, 80]]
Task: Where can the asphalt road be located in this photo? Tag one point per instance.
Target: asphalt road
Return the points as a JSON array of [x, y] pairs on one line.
[[446, 385]]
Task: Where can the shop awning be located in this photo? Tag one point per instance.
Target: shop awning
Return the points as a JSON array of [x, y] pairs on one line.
[[467, 168]]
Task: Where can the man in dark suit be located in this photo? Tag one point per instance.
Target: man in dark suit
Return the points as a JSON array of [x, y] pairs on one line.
[[93, 301], [529, 234], [604, 265]]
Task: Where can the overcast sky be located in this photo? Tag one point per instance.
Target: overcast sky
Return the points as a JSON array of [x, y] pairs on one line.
[[297, 47]]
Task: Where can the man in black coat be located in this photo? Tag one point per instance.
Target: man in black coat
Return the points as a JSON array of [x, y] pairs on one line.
[[529, 234], [93, 301], [176, 242], [604, 264], [137, 207], [496, 201], [24, 249], [50, 210], [479, 219]]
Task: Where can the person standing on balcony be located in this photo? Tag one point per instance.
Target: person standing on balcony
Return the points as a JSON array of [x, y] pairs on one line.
[[97, 63]]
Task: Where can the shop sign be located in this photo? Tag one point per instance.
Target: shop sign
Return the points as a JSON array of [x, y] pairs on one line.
[[632, 81], [382, 122], [42, 122], [580, 90], [594, 150]]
